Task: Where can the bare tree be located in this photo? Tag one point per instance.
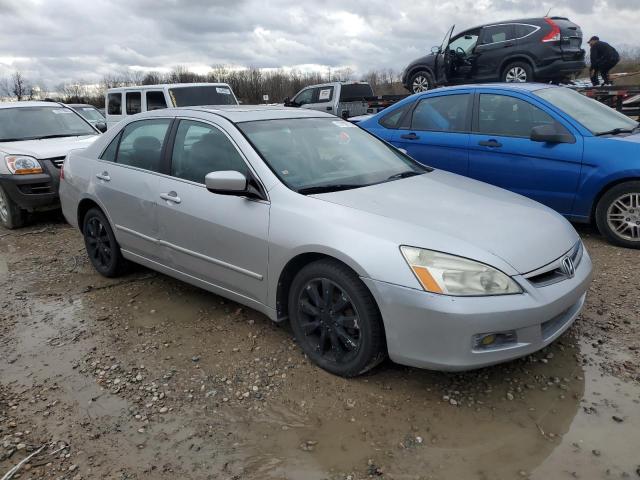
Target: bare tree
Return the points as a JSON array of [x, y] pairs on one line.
[[20, 85]]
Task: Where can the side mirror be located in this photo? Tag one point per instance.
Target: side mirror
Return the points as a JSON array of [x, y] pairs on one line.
[[435, 50], [227, 182], [290, 103], [102, 126], [549, 134]]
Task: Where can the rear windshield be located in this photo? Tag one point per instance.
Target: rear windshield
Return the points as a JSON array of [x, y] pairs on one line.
[[202, 95], [356, 91], [34, 123]]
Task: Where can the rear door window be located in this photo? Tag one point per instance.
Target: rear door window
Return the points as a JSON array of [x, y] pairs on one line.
[[141, 144], [114, 104], [200, 149], [155, 100], [446, 113], [497, 34], [507, 116], [134, 103]]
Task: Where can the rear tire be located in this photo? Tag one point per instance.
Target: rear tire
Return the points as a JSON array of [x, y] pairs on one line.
[[618, 215], [421, 82], [335, 319], [102, 247], [11, 215], [517, 72]]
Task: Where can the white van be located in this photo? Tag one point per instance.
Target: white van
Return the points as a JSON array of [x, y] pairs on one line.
[[123, 101]]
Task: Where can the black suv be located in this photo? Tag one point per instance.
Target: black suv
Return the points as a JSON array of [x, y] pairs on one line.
[[534, 49]]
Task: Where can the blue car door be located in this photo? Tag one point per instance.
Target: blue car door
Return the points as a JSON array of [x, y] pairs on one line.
[[437, 133], [502, 153]]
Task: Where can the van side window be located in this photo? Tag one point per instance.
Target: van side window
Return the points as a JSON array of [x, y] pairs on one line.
[[114, 104], [325, 94], [155, 100], [134, 103], [141, 144], [200, 149]]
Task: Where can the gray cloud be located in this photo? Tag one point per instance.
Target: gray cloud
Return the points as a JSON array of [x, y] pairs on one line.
[[74, 40]]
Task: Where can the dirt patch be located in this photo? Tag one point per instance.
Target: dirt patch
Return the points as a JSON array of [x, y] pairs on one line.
[[146, 377]]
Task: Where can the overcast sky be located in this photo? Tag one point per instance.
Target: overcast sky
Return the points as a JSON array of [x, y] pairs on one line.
[[63, 41]]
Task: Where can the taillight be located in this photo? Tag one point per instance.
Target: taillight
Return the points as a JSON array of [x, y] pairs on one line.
[[554, 34], [62, 172]]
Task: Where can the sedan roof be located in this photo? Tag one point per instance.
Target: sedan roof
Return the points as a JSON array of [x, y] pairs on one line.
[[522, 87], [28, 104], [249, 113]]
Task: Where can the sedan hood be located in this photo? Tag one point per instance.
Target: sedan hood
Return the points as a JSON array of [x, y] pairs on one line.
[[451, 213], [47, 148]]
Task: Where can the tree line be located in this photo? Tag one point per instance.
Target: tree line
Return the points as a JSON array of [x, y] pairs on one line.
[[250, 85]]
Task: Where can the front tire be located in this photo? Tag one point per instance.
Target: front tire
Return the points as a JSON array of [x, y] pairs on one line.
[[618, 215], [11, 215], [517, 72], [102, 247], [335, 319], [421, 82]]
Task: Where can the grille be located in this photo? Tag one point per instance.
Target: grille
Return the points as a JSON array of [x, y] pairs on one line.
[[57, 161], [35, 188], [553, 273]]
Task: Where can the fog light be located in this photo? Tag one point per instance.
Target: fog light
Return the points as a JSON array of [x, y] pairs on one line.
[[487, 341]]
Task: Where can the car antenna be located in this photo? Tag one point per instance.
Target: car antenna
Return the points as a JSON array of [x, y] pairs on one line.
[[548, 11]]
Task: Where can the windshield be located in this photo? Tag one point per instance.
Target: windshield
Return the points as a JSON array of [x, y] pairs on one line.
[[32, 123], [90, 113], [202, 95], [325, 152], [593, 115]]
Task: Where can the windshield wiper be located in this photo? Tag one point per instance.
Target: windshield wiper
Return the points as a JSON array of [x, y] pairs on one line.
[[60, 135], [407, 174], [328, 188], [615, 131]]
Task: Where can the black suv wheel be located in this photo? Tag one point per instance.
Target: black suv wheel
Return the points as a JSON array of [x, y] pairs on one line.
[[335, 319], [421, 82], [517, 72]]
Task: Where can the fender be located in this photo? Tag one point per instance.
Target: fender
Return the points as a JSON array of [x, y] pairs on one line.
[[586, 203]]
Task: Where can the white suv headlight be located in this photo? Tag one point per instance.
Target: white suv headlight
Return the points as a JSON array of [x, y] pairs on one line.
[[450, 275], [22, 164]]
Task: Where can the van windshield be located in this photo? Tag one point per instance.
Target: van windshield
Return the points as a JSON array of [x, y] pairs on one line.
[[202, 95]]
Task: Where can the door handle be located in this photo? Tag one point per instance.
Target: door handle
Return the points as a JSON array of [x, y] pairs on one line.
[[490, 143], [410, 136], [329, 109], [171, 197], [104, 176], [509, 45]]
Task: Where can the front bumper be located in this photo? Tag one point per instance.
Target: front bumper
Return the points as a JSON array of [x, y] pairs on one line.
[[437, 332], [34, 192]]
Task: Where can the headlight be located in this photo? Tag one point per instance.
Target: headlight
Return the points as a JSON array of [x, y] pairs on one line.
[[450, 275], [22, 165]]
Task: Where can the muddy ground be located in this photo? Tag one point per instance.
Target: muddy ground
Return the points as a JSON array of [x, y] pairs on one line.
[[144, 377]]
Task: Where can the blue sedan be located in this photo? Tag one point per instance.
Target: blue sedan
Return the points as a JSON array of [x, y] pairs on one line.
[[548, 143]]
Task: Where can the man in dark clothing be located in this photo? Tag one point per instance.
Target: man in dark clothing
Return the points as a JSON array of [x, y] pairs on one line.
[[603, 58]]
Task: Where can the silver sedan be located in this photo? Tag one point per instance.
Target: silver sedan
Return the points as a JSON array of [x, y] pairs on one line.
[[308, 218]]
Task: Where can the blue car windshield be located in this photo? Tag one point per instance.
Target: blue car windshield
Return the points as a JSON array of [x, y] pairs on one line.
[[593, 115], [314, 153]]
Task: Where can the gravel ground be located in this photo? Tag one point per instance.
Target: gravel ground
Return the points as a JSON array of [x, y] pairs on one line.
[[144, 377]]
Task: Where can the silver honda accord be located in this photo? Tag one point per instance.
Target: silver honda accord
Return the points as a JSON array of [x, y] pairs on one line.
[[308, 218]]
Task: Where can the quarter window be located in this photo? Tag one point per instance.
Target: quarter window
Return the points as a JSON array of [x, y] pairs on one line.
[[200, 149], [155, 100], [524, 30], [447, 113], [392, 120], [114, 104], [110, 152], [141, 144], [511, 117]]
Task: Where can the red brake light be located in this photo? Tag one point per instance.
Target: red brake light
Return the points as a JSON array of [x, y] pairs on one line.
[[554, 34], [62, 172]]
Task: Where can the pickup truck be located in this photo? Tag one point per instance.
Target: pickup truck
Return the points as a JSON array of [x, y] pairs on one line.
[[343, 99], [123, 101]]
